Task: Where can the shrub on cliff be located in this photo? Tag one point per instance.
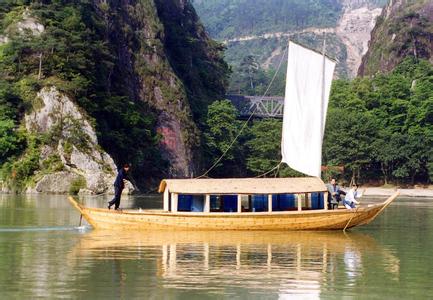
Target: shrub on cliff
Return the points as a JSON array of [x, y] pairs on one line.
[[77, 185]]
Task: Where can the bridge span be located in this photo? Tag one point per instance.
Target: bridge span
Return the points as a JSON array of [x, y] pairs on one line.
[[263, 107]]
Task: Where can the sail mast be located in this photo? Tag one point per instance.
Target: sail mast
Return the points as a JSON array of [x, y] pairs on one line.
[[308, 82], [323, 82], [323, 102]]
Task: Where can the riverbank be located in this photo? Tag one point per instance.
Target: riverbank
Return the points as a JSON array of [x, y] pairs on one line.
[[380, 191]]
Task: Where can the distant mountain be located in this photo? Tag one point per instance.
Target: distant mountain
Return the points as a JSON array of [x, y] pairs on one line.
[[405, 28], [262, 28], [228, 19]]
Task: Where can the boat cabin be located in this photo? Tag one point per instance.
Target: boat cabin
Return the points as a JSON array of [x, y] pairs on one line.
[[238, 195]]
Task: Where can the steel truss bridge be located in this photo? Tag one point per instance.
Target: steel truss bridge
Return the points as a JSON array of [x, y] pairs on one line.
[[260, 107]]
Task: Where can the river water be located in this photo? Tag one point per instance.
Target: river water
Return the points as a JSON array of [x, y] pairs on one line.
[[45, 254]]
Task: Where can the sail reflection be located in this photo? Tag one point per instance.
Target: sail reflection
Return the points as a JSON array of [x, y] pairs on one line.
[[301, 263]]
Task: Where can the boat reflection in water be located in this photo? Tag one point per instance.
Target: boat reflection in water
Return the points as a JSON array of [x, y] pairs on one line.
[[283, 262]]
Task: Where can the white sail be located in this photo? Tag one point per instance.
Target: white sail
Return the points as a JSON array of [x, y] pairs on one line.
[[308, 84]]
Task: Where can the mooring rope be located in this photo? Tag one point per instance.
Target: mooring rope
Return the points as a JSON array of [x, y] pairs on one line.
[[247, 121]]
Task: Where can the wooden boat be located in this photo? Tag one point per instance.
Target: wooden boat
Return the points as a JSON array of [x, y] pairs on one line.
[[258, 206], [260, 203]]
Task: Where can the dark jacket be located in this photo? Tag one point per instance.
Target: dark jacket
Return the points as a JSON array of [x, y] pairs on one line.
[[334, 189], [121, 175]]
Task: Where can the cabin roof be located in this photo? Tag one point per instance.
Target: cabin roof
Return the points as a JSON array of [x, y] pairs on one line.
[[243, 185]]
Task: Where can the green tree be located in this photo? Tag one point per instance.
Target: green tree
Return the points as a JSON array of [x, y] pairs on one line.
[[249, 68], [10, 141], [264, 145], [349, 140], [222, 129]]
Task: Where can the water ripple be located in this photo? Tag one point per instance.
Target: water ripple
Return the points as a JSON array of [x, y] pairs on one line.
[[44, 229]]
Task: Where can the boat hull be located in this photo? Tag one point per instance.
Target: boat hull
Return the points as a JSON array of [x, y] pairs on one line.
[[291, 220]]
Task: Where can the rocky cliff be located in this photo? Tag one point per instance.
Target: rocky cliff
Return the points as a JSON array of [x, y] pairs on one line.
[[167, 61], [354, 28], [73, 146], [403, 29], [137, 36], [100, 83]]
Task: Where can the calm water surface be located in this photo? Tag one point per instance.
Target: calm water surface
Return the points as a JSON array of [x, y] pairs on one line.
[[45, 254]]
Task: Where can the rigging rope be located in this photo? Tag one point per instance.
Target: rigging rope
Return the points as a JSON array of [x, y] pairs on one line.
[[247, 121], [277, 167]]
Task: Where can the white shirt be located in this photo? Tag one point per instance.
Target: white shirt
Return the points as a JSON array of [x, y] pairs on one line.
[[352, 195]]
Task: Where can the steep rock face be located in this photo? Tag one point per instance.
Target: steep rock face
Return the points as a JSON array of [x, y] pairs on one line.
[[143, 72], [56, 109], [403, 29], [55, 183], [74, 140], [158, 64]]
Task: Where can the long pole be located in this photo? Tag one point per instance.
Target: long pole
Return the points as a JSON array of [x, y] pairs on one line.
[[354, 214], [322, 112]]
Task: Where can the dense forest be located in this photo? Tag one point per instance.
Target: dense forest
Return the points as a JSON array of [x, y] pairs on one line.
[[380, 130]]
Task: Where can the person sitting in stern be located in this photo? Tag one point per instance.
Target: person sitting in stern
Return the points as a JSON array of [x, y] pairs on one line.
[[350, 199]]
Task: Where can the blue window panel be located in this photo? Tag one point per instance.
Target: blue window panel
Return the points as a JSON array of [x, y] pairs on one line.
[[230, 203], [317, 201], [276, 202], [197, 204], [259, 202], [321, 200], [287, 201], [184, 202]]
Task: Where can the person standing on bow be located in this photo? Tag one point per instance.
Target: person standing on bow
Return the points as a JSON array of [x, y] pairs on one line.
[[119, 185], [350, 199], [334, 192]]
